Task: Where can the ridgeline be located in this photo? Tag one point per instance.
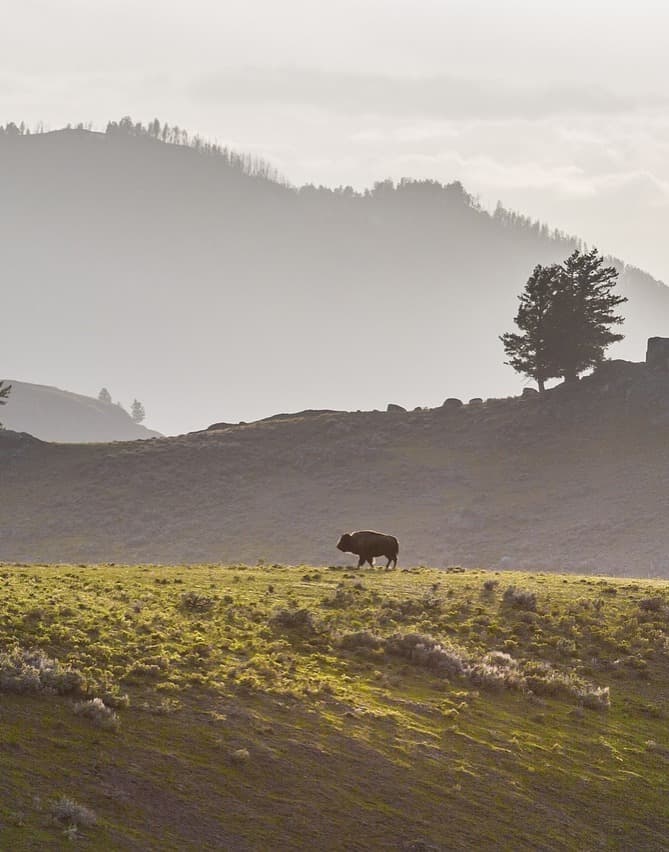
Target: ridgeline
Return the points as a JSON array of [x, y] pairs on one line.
[[571, 480]]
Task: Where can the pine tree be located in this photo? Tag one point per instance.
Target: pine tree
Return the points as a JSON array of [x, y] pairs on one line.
[[137, 411], [532, 352], [105, 396], [584, 309], [565, 312]]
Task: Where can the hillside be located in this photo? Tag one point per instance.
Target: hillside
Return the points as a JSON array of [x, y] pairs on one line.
[[52, 414], [574, 480], [227, 295], [228, 707]]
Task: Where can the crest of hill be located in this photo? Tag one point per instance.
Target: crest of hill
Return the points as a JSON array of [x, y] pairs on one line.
[[329, 297], [573, 479], [51, 414]]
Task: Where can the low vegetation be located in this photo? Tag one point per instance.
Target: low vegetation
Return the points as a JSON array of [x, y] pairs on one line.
[[269, 706]]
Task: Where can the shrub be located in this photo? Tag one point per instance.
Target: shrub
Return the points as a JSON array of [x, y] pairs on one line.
[[520, 599], [542, 679], [424, 650], [294, 619], [655, 604], [657, 748], [502, 659], [342, 598], [98, 712], [364, 640], [567, 647], [195, 602], [70, 813], [139, 671], [490, 585], [595, 697], [497, 670], [32, 671], [411, 609], [116, 699]]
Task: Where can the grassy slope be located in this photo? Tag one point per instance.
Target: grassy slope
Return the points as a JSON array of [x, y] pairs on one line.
[[557, 483], [348, 747]]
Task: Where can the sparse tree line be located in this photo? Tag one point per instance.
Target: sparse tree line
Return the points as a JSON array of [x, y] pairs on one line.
[[175, 135], [254, 166], [247, 164], [137, 411]]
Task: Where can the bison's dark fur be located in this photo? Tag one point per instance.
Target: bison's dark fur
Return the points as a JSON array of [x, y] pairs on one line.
[[367, 544]]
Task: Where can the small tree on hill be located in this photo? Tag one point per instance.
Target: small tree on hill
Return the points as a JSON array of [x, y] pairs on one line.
[[564, 315], [105, 396], [5, 390], [137, 411], [532, 352], [583, 308]]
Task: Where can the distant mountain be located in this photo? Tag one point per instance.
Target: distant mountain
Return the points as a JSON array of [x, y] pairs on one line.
[[56, 415], [229, 294]]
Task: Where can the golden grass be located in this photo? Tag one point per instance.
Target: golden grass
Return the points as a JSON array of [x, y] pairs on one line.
[[261, 714]]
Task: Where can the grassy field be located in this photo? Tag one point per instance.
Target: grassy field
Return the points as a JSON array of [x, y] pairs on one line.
[[272, 707]]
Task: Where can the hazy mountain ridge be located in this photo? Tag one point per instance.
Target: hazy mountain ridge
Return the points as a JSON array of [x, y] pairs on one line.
[[51, 414], [255, 296], [568, 481]]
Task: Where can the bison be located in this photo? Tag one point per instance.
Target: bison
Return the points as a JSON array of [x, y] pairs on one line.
[[367, 544]]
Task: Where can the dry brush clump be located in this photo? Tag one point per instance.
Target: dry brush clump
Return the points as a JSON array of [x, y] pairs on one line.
[[494, 670], [98, 713], [66, 811], [411, 609], [363, 640], [196, 602], [298, 619], [520, 599], [426, 651], [343, 597], [543, 679], [497, 670], [24, 671]]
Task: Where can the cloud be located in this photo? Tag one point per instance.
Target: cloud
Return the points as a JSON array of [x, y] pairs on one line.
[[438, 96]]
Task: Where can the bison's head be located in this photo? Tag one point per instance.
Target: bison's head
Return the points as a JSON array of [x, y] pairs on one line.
[[344, 543]]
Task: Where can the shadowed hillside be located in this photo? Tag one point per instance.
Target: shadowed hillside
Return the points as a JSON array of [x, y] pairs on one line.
[[227, 294], [52, 414], [574, 479]]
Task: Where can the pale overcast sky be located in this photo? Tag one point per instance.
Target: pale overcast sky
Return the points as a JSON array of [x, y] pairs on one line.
[[556, 107]]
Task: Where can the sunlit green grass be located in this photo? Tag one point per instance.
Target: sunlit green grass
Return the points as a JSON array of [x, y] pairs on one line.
[[269, 706]]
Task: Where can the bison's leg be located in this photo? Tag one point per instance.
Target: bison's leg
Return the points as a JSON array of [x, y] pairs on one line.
[[371, 561], [361, 561]]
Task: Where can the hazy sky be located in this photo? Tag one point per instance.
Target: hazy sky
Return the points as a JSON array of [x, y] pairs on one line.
[[558, 108]]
